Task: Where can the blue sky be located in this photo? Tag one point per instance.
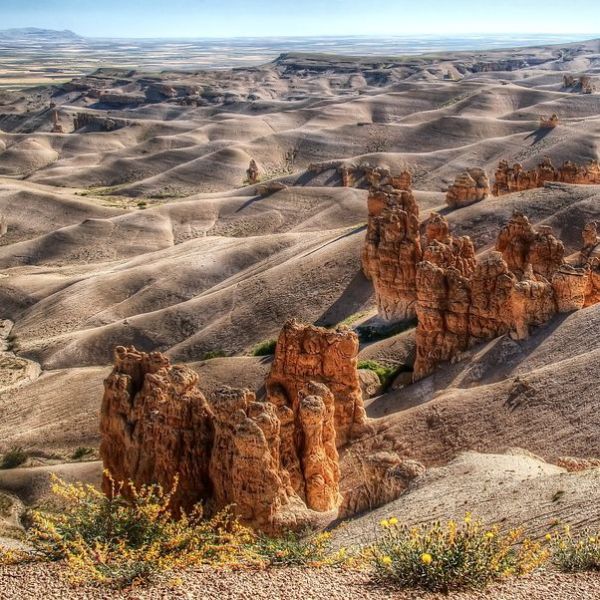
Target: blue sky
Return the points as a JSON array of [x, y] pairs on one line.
[[255, 18]]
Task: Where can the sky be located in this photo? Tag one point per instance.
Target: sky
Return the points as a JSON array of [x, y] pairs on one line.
[[259, 18]]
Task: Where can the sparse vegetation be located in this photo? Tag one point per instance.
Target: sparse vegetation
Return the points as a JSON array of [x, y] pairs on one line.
[[452, 556], [575, 552], [82, 452], [374, 333], [142, 204], [213, 354], [298, 550], [15, 457], [118, 542], [265, 348], [385, 373]]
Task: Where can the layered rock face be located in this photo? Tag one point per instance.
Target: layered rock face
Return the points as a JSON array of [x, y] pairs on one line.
[[305, 353], [516, 179], [156, 423], [392, 251], [521, 245], [274, 461], [519, 286], [470, 186], [571, 285]]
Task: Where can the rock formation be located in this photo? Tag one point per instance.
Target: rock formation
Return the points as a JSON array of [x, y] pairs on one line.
[[591, 242], [305, 353], [274, 462], [516, 179], [56, 126], [3, 225], [570, 284], [532, 303], [549, 122], [156, 423], [252, 173], [521, 245], [392, 251], [443, 316], [470, 186]]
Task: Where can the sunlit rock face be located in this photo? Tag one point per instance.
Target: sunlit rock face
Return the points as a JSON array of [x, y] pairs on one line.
[[469, 187]]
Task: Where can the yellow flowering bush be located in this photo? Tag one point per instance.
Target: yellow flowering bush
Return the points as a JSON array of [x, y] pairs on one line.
[[451, 556], [576, 552], [119, 541]]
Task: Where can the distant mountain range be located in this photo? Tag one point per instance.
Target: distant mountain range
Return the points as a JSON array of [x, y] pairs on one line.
[[37, 34]]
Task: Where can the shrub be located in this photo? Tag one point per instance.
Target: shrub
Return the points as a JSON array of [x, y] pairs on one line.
[[452, 556], [385, 373], [264, 348], [213, 354], [573, 553], [298, 550], [15, 457], [81, 453], [119, 542]]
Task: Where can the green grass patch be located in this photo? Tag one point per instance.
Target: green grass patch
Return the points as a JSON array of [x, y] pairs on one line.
[[213, 354], [266, 348], [385, 373]]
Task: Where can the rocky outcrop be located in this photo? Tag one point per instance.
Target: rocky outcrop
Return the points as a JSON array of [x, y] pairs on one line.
[[570, 286], [592, 293], [155, 423], [252, 174], [56, 126], [381, 478], [591, 242], [516, 179], [305, 353], [444, 250], [443, 316], [532, 303], [392, 251], [521, 245], [275, 462], [94, 122], [470, 186], [549, 122], [491, 290]]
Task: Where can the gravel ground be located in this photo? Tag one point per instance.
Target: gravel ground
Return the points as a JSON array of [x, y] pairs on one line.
[[36, 581]]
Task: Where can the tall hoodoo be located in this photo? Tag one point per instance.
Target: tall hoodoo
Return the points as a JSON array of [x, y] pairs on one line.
[[155, 423], [273, 461], [392, 251], [305, 353], [470, 186]]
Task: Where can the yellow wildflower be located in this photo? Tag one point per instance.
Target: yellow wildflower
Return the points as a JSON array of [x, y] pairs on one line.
[[489, 535], [548, 536], [426, 558], [467, 518], [386, 560], [393, 521], [592, 539], [384, 523]]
